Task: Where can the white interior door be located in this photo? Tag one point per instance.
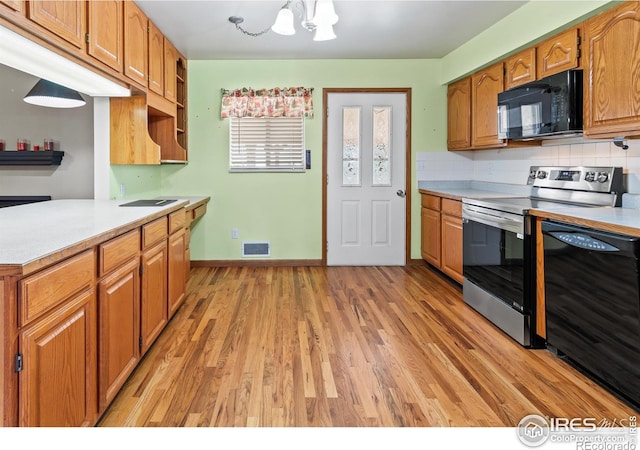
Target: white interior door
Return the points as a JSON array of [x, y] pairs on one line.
[[366, 179]]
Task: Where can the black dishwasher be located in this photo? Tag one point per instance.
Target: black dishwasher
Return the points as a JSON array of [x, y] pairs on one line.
[[592, 300]]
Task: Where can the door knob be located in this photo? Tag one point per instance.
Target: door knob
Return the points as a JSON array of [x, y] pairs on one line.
[[400, 193]]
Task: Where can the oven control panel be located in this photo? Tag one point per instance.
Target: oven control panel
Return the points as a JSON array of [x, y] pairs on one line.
[[591, 179]]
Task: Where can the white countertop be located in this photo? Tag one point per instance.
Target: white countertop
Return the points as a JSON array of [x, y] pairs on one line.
[[622, 220], [475, 189], [37, 230]]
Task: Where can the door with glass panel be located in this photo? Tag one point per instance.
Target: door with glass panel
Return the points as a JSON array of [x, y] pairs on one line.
[[366, 154]]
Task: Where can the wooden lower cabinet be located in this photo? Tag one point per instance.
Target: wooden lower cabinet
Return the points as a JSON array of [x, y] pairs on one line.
[[119, 306], [78, 328], [58, 386], [442, 234], [431, 236], [153, 300], [452, 246], [177, 276]]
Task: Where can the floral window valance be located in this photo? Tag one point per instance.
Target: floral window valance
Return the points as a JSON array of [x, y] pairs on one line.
[[276, 102]]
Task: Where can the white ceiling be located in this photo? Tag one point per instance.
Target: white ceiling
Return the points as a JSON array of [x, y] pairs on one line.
[[373, 29]]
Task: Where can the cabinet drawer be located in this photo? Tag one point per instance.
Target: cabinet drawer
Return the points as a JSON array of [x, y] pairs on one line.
[[50, 287], [177, 220], [452, 207], [118, 250], [154, 232], [198, 212], [431, 202]]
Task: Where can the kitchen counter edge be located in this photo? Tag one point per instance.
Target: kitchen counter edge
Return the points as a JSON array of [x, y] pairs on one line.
[[39, 245]]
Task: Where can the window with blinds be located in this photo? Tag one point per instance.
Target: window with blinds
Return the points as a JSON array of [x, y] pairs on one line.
[[266, 144]]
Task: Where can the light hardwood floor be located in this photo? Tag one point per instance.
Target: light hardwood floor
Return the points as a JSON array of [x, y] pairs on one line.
[[343, 346]]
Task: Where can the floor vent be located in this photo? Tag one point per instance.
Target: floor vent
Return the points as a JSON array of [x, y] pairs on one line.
[[256, 249]]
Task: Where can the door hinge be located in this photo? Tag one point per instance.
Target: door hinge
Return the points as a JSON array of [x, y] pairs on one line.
[[327, 246], [578, 53], [140, 341], [86, 37], [578, 40], [327, 178], [19, 362], [140, 269]]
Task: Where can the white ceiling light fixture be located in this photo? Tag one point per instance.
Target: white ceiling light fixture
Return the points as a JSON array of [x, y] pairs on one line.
[[317, 15]]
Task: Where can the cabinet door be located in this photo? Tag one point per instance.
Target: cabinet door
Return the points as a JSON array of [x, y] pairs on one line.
[[153, 310], [176, 279], [58, 381], [459, 114], [105, 28], [611, 72], [136, 44], [520, 68], [65, 18], [16, 5], [119, 312], [156, 59], [431, 236], [485, 87], [558, 53], [170, 60], [452, 246]]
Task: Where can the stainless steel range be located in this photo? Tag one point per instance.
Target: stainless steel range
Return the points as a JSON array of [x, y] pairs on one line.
[[499, 249]]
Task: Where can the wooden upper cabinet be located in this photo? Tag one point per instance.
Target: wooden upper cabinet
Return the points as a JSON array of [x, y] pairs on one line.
[[64, 18], [136, 44], [156, 60], [170, 61], [105, 30], [459, 114], [520, 68], [486, 84], [611, 68], [16, 5], [559, 53]]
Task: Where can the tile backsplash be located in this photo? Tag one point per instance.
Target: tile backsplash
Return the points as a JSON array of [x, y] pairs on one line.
[[512, 165]]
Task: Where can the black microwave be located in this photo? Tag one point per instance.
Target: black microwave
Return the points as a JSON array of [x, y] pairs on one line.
[[547, 108]]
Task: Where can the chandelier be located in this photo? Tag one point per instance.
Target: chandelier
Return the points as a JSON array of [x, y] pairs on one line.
[[317, 15]]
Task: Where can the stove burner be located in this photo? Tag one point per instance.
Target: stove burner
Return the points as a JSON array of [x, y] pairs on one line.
[[15, 200]]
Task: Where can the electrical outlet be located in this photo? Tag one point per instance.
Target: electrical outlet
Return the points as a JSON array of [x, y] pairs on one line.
[[123, 190], [234, 233]]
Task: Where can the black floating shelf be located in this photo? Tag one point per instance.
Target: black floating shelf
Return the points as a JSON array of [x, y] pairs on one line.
[[30, 158]]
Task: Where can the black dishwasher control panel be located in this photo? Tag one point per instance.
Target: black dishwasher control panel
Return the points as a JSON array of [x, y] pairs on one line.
[[583, 241]]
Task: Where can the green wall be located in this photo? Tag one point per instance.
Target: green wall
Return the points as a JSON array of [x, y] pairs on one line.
[[286, 209]]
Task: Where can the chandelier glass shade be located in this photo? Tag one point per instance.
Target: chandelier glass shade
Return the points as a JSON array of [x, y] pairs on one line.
[[317, 15], [284, 23]]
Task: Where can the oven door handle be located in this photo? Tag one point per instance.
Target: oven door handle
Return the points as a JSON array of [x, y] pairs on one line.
[[504, 223]]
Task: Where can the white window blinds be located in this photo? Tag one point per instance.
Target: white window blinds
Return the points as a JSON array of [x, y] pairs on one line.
[[266, 144]]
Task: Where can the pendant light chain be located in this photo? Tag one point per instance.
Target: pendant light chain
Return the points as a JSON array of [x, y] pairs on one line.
[[237, 20]]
